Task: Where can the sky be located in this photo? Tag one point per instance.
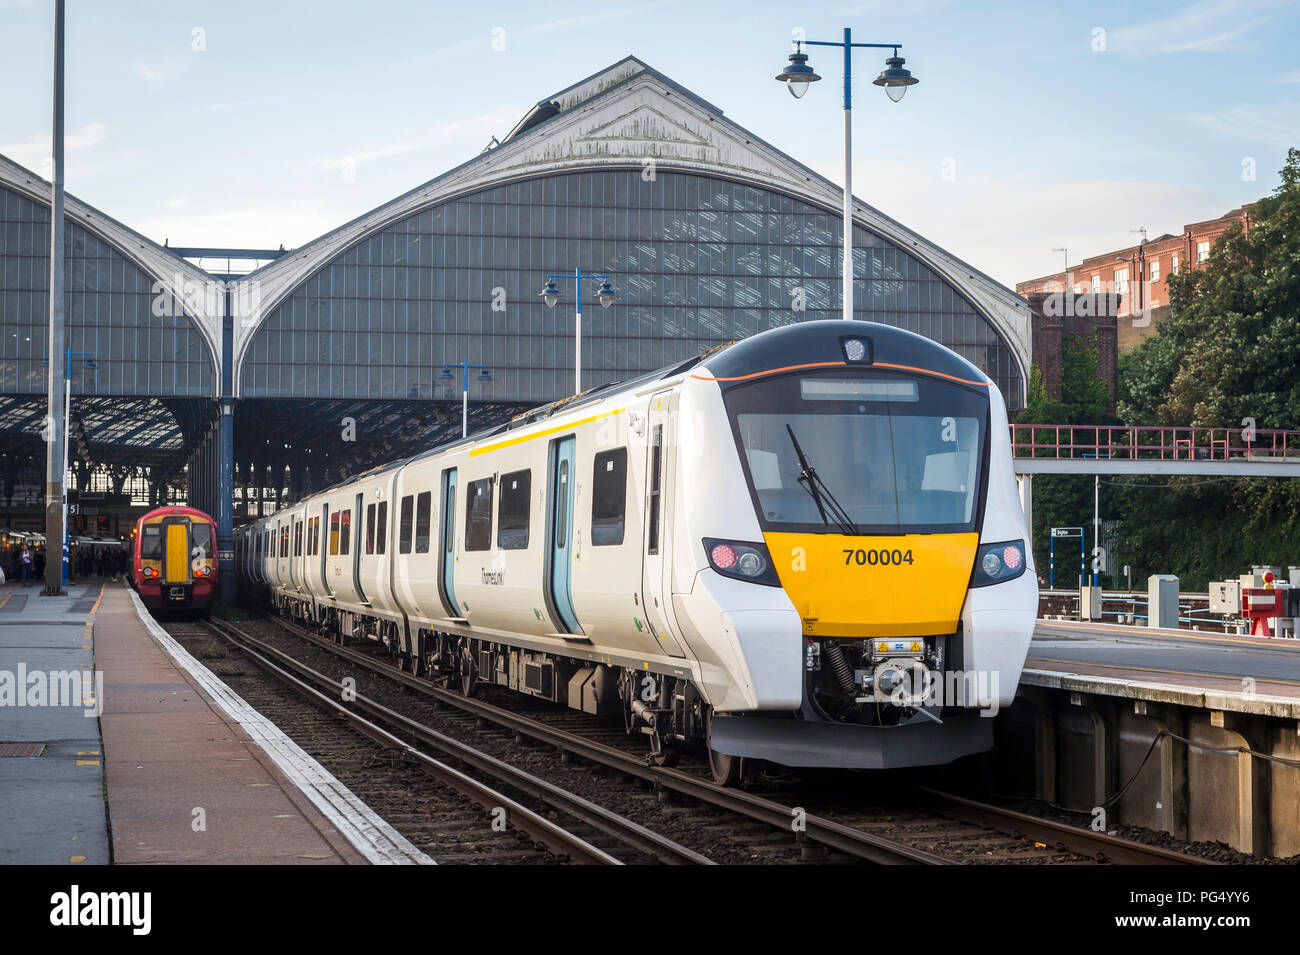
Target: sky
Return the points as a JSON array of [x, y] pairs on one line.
[[1035, 125]]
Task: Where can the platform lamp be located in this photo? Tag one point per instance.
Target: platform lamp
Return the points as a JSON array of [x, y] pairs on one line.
[[894, 79], [485, 374], [605, 295]]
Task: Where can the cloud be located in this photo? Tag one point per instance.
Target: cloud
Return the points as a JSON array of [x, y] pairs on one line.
[[477, 129], [223, 107], [145, 72], [1007, 228], [1206, 26], [264, 226], [1292, 76], [1270, 125], [35, 153]]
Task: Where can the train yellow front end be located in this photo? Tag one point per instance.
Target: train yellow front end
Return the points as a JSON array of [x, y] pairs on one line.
[[871, 509]]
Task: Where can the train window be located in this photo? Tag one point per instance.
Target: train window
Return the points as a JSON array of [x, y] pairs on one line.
[[381, 532], [656, 465], [478, 516], [370, 528], [609, 497], [334, 533], [151, 543], [423, 505], [408, 525], [512, 521], [345, 530], [297, 538], [562, 506], [284, 539]]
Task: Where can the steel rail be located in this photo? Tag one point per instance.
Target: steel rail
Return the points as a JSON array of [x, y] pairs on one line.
[[536, 827], [1099, 845], [815, 829]]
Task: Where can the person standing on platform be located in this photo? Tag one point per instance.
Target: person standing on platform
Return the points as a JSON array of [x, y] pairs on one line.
[[25, 563]]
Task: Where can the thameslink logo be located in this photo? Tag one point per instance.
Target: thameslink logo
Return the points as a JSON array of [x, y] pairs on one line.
[[23, 687], [75, 907]]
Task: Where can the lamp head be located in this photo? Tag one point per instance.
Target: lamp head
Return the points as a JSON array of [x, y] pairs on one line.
[[606, 295], [894, 78], [550, 293], [798, 74]]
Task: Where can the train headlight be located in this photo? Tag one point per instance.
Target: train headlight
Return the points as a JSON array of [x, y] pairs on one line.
[[741, 560], [998, 563]]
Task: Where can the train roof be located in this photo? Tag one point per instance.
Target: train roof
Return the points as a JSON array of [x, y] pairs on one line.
[[825, 343], [791, 346], [177, 509]]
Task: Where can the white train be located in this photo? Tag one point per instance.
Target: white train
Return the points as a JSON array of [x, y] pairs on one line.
[[805, 547]]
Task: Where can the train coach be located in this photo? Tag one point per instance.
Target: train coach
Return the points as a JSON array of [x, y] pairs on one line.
[[174, 564], [805, 547]]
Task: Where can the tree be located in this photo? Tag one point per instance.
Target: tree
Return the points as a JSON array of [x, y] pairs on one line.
[[1229, 351], [1230, 348]]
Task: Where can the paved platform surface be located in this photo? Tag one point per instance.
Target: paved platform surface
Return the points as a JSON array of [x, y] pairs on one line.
[[189, 773], [51, 790], [1250, 673]]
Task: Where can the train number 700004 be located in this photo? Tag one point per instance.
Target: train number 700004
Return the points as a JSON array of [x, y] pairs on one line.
[[876, 558]]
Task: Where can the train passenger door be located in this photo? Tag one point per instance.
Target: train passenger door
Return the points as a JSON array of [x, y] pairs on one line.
[[359, 511], [559, 528], [322, 548], [655, 584], [447, 551], [176, 550]]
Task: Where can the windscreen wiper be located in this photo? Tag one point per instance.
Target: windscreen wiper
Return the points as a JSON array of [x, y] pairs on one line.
[[817, 487]]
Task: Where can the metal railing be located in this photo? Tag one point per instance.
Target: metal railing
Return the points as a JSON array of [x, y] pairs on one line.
[[1134, 443]]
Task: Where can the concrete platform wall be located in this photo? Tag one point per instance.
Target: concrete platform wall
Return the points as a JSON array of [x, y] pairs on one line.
[[1079, 750]]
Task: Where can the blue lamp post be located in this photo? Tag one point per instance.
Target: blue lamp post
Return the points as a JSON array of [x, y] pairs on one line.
[[894, 79], [550, 294], [464, 364]]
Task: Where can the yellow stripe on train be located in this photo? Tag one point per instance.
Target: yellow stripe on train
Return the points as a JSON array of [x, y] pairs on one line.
[[900, 586]]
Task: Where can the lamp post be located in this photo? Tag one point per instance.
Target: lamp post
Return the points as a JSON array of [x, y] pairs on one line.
[[87, 364], [1065, 276], [56, 468], [550, 294], [465, 366], [894, 79]]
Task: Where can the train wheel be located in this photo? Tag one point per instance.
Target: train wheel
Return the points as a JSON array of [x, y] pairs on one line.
[[666, 754], [725, 769], [468, 677]]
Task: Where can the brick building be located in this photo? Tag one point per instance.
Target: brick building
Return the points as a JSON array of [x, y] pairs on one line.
[[1138, 274], [1087, 319]]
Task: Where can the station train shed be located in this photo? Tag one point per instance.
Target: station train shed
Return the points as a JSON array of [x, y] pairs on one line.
[[233, 391]]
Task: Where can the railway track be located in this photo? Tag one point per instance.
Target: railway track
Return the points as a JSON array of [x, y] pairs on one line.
[[940, 829], [378, 722]]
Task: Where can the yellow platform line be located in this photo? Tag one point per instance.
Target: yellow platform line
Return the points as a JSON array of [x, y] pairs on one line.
[[6, 600], [102, 588]]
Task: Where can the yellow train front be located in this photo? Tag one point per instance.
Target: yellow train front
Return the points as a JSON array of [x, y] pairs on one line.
[[852, 483], [174, 565]]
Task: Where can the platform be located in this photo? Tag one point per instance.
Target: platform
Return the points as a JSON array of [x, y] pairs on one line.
[[1218, 671], [170, 766], [51, 764], [1189, 732]]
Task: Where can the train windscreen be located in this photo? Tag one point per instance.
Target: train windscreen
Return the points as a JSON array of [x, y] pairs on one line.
[[861, 452]]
